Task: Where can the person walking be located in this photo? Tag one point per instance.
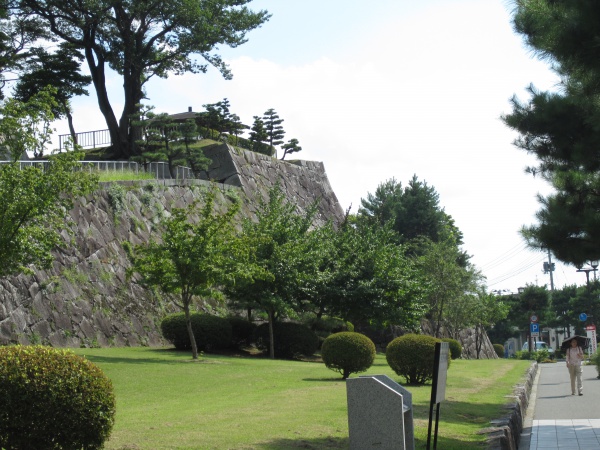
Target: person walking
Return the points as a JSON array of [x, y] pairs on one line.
[[574, 359]]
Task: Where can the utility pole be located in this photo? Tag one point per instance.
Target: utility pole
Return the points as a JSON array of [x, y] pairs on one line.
[[549, 268]]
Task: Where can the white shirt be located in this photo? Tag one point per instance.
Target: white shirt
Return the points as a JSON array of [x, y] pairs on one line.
[[574, 356]]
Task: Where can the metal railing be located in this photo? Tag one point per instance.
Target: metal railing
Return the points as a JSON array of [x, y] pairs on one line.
[[87, 139], [160, 170]]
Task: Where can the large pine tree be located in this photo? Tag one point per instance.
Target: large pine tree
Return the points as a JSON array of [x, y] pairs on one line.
[[562, 127]]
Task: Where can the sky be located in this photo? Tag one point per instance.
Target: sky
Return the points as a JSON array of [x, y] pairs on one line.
[[390, 89]]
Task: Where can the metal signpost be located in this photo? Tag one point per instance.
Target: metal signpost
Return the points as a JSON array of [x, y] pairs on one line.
[[534, 332], [591, 333], [438, 388]]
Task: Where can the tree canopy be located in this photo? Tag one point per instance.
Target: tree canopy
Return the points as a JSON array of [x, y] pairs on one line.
[[561, 127], [191, 260], [35, 200], [140, 40]]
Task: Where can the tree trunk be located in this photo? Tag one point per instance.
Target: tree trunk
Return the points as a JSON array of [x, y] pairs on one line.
[[71, 127], [478, 341], [188, 323], [96, 65], [271, 335]]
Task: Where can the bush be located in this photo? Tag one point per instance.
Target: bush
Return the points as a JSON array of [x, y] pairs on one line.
[[412, 356], [499, 348], [595, 360], [455, 347], [211, 332], [242, 331], [347, 352], [53, 399], [291, 339]]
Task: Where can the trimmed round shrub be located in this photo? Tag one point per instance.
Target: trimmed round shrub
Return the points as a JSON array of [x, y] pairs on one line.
[[211, 332], [499, 349], [291, 339], [242, 331], [53, 399], [412, 356], [347, 352], [455, 347]]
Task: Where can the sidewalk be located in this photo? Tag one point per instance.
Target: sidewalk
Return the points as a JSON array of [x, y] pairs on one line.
[[555, 419]]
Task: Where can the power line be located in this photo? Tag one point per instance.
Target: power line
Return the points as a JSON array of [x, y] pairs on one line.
[[528, 264]]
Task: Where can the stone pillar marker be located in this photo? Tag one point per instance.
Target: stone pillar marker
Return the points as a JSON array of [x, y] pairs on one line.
[[380, 414]]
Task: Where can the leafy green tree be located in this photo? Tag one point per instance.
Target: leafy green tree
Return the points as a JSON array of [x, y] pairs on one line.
[[281, 262], [34, 209], [290, 147], [259, 137], [450, 283], [60, 70], [25, 126], [487, 313], [166, 136], [560, 128], [193, 259], [148, 140], [35, 201], [143, 39], [194, 155], [365, 278], [236, 126], [414, 211], [273, 128], [216, 118], [17, 35]]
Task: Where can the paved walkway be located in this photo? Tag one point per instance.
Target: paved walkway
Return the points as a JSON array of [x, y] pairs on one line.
[[556, 419]]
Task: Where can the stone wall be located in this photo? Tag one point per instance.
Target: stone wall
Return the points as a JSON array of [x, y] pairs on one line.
[[86, 298]]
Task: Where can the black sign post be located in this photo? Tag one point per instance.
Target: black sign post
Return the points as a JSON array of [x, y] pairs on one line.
[[438, 388]]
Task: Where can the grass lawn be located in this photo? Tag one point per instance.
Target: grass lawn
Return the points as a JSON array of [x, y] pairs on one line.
[[167, 401]]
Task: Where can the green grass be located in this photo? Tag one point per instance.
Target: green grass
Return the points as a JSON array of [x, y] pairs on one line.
[[167, 401], [123, 175]]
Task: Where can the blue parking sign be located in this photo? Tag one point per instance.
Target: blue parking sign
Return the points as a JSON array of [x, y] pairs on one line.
[[534, 328]]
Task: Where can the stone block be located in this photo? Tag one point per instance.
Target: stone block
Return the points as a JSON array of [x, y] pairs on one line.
[[378, 416]]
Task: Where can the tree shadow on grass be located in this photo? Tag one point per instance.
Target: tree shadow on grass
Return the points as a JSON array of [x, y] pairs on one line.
[[344, 443], [317, 443]]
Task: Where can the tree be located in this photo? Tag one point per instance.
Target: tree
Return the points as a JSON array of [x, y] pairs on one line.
[[273, 128], [25, 126], [450, 284], [17, 35], [259, 137], [195, 156], [487, 313], [34, 209], [216, 117], [290, 147], [414, 211], [193, 259], [142, 39], [34, 200], [282, 246], [165, 135], [60, 70], [560, 128], [366, 278]]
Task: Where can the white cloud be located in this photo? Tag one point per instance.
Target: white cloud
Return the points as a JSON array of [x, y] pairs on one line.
[[415, 93]]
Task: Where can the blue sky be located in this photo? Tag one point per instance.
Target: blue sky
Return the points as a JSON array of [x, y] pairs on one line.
[[391, 88]]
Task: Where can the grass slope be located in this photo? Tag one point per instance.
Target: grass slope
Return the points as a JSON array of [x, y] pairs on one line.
[[166, 401]]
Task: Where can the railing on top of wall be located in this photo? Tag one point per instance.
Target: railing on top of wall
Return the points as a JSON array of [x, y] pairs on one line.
[[160, 170], [87, 139]]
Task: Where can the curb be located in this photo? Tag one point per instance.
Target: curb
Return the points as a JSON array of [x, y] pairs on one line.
[[506, 432]]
